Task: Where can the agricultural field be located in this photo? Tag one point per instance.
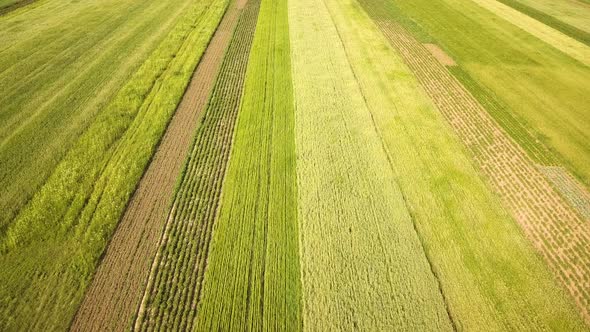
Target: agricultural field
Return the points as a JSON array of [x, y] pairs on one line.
[[282, 165]]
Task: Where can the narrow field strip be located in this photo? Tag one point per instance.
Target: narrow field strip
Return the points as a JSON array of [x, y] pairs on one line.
[[55, 243], [134, 244], [559, 234], [489, 273], [570, 46], [171, 296], [363, 265], [252, 273]]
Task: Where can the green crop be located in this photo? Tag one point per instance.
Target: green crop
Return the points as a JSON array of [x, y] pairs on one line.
[[252, 278], [50, 251]]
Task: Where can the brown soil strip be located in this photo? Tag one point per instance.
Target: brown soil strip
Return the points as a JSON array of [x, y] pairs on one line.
[[440, 55], [560, 235], [117, 287]]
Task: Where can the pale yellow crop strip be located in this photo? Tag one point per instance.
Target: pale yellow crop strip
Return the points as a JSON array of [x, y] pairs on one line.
[[490, 274], [557, 39], [363, 265]]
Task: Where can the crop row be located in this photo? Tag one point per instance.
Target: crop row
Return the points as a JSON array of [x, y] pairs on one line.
[[252, 276], [175, 282], [73, 215], [88, 53], [134, 245], [548, 221]]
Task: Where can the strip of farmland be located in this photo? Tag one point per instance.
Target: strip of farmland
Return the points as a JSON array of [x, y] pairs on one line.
[[568, 16], [570, 12], [88, 52], [555, 229], [175, 281], [572, 47], [51, 250], [252, 276], [472, 243], [363, 264], [541, 87], [135, 243]]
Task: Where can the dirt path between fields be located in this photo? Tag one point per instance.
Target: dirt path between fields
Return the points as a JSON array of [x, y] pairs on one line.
[[116, 290]]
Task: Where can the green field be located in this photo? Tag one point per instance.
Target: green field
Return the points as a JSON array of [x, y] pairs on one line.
[[53, 243], [567, 16], [255, 238], [368, 165], [522, 71], [446, 198], [357, 236], [90, 51]]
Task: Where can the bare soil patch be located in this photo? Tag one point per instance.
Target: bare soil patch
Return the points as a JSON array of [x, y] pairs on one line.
[[440, 55]]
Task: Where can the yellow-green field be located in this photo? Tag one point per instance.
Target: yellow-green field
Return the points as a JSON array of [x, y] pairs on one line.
[[287, 165]]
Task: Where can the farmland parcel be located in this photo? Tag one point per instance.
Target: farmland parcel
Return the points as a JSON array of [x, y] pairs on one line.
[[317, 165]]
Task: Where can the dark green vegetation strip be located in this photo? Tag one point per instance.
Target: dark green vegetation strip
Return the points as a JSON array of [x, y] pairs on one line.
[[51, 250], [252, 281], [176, 281], [14, 6], [551, 21]]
